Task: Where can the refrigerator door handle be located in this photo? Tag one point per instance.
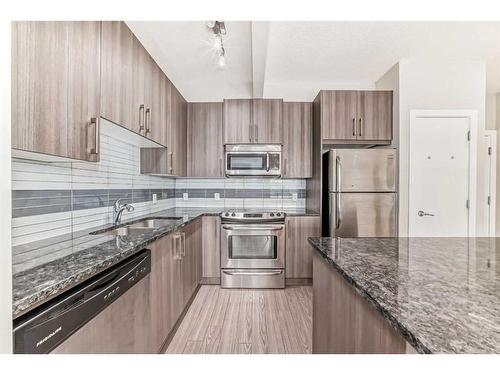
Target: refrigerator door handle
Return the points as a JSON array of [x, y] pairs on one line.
[[338, 166]]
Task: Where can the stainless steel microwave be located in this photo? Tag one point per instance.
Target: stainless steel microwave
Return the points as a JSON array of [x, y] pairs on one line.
[[253, 160]]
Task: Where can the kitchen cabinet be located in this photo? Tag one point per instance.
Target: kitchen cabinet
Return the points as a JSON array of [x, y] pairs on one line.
[[252, 121], [297, 140], [298, 251], [191, 262], [267, 120], [237, 121], [211, 250], [117, 91], [343, 322], [56, 88], [177, 133], [123, 327], [205, 140], [356, 117]]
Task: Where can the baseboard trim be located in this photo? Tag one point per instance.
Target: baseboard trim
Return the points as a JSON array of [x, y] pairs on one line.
[[298, 281], [210, 281], [173, 331]]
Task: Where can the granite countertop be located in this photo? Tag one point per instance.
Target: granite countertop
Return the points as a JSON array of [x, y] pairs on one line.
[[441, 294], [44, 269]]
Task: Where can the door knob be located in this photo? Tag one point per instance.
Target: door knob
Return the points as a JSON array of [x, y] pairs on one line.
[[422, 213]]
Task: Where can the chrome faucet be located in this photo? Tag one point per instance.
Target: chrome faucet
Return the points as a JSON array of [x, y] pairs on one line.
[[118, 209]]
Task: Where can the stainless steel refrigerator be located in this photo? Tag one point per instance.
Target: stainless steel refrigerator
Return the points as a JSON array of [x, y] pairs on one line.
[[362, 192]]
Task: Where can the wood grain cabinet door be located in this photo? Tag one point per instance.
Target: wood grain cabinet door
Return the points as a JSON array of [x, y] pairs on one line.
[[205, 140], [237, 118], [117, 65], [84, 79], [267, 120], [374, 116], [191, 262], [297, 140], [156, 125], [339, 115], [298, 251], [177, 133], [211, 247], [40, 87]]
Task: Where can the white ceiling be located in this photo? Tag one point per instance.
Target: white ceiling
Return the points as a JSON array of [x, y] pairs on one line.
[[294, 60]]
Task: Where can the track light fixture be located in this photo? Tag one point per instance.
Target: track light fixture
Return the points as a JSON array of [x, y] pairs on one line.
[[219, 29]]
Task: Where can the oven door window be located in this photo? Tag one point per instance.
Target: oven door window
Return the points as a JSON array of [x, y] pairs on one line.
[[247, 162], [253, 247]]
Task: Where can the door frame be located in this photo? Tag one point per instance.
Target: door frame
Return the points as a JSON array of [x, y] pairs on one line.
[[471, 115], [493, 179]]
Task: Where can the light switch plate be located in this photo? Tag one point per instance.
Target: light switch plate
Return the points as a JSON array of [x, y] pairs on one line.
[[216, 196], [155, 198], [294, 196], [185, 196]]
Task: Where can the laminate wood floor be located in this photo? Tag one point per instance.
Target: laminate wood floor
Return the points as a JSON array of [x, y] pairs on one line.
[[249, 321]]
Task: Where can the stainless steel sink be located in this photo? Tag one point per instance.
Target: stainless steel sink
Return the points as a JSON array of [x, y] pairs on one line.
[[154, 223]]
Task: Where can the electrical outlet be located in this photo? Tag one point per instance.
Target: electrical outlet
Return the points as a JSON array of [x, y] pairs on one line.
[[216, 196], [154, 199], [185, 196], [294, 196]]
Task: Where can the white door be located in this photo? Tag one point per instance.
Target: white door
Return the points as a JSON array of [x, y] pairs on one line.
[[439, 177]]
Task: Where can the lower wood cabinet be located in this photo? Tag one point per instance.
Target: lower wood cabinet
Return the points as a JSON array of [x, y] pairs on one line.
[[211, 250], [343, 322], [191, 261], [298, 251], [123, 327]]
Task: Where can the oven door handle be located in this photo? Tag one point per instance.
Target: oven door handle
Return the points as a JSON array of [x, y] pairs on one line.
[[254, 273], [250, 228]]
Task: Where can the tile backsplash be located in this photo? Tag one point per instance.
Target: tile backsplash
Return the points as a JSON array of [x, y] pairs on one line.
[[51, 199]]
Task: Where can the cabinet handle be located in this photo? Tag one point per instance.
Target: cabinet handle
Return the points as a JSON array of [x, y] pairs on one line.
[[360, 127], [353, 127], [171, 168], [177, 238], [141, 118], [147, 120], [256, 127], [285, 166], [183, 237], [220, 166], [250, 133], [94, 150]]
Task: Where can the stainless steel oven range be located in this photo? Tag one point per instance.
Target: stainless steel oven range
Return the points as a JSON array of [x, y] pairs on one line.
[[253, 250]]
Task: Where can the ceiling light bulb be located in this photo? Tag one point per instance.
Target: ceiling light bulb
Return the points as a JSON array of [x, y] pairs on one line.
[[217, 43], [222, 60]]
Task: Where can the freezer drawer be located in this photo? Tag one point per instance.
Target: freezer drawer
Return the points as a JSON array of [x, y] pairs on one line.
[[372, 170], [362, 215]]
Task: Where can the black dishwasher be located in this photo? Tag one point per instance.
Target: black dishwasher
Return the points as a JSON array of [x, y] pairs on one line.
[[43, 329]]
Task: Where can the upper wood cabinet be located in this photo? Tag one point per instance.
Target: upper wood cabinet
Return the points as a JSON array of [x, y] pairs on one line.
[[204, 146], [297, 140], [267, 120], [177, 133], [117, 91], [356, 116], [252, 121], [55, 88], [237, 121]]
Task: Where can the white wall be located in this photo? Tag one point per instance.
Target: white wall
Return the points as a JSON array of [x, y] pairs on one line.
[[5, 188], [432, 84], [390, 81]]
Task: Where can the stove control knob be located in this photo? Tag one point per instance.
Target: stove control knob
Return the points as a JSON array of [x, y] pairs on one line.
[[226, 214], [278, 214], [233, 214], [272, 214]]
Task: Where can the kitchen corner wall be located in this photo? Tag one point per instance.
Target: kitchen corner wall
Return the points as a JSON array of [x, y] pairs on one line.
[[53, 199]]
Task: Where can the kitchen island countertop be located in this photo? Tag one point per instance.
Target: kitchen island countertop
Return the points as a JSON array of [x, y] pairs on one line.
[[441, 294]]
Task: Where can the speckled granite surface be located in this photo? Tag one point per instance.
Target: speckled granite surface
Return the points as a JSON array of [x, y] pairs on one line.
[[45, 269], [441, 294]]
